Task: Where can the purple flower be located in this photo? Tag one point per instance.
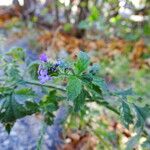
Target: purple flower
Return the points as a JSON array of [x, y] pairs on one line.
[[43, 57], [43, 75]]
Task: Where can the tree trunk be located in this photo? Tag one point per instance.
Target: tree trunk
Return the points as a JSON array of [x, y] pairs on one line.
[[83, 8], [29, 8], [56, 11], [67, 13]]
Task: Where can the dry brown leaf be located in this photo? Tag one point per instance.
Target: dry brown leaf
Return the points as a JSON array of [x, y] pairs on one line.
[[100, 44], [138, 50]]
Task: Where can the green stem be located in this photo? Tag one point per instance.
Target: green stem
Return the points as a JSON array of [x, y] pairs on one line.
[[113, 109], [57, 87], [107, 106], [61, 88], [40, 141]]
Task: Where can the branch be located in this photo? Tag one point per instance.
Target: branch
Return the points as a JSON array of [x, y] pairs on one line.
[[57, 87]]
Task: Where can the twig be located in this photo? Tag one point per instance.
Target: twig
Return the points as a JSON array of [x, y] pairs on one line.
[[58, 87], [55, 36]]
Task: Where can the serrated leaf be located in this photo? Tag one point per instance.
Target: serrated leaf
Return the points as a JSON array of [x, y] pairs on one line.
[[17, 53], [24, 94], [125, 93], [100, 83], [12, 71], [11, 110], [49, 104], [92, 86], [142, 113], [27, 92], [125, 114], [33, 70], [82, 63], [5, 91], [50, 101], [32, 106], [79, 101], [87, 78], [74, 87]]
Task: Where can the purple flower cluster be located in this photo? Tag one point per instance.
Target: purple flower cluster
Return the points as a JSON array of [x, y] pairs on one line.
[[54, 67], [44, 74]]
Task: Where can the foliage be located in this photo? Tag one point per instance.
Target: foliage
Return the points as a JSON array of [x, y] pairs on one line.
[[79, 85]]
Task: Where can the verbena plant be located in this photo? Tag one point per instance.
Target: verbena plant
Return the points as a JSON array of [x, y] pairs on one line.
[[76, 82]]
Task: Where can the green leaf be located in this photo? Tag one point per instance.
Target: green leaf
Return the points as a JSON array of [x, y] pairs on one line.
[[74, 87], [94, 14], [87, 78], [147, 29], [100, 83], [67, 27], [95, 83], [49, 117], [92, 83], [32, 107], [25, 92], [49, 104], [50, 101], [142, 113], [79, 101], [33, 70], [12, 71], [17, 53], [125, 114], [11, 110], [125, 93], [82, 63], [5, 91]]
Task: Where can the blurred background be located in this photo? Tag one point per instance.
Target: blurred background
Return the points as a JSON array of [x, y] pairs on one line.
[[115, 33]]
